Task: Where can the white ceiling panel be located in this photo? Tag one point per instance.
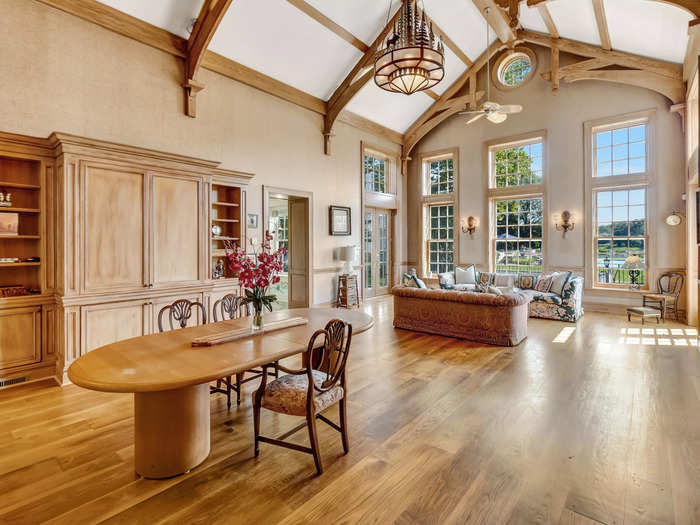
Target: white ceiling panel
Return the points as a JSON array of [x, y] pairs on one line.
[[530, 19], [275, 38], [575, 19], [393, 110], [172, 15], [363, 18], [647, 28], [454, 67], [462, 22]]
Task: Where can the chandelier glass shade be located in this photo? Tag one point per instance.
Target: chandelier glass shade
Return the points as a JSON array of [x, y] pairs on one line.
[[413, 58]]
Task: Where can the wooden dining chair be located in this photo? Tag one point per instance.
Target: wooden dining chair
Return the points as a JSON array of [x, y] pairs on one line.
[[309, 391], [669, 288], [231, 306], [180, 311]]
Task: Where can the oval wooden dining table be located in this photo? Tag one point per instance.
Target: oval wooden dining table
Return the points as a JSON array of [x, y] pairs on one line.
[[170, 380]]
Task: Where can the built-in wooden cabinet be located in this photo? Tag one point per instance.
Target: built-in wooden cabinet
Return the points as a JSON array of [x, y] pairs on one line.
[[120, 232]]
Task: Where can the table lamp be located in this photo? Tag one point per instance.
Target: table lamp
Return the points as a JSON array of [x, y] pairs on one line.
[[347, 255]]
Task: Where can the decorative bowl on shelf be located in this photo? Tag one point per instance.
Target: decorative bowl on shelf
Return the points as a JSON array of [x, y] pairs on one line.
[[216, 230]]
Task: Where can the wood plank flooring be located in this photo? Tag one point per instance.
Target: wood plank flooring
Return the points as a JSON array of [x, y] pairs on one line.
[[592, 423]]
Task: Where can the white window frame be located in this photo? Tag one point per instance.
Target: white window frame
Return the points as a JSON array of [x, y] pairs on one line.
[[528, 191], [594, 184], [428, 200]]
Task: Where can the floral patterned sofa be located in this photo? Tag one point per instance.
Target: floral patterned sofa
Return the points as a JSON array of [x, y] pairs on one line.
[[564, 306], [487, 318]]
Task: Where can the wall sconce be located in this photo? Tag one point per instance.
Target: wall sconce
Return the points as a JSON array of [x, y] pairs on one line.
[[564, 223], [470, 225]]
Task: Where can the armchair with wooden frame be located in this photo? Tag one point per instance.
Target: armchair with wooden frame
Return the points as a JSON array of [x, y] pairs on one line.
[[307, 392], [232, 306], [669, 288]]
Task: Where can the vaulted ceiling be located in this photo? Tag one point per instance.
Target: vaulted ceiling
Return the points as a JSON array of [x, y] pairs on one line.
[[313, 45]]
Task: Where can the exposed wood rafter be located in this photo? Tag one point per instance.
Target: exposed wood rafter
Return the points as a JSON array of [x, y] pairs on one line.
[[329, 24], [451, 45], [602, 22], [546, 17], [499, 21], [555, 70], [210, 16], [356, 79]]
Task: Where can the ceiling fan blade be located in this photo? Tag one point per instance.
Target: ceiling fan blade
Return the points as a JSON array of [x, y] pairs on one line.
[[496, 117], [477, 117], [511, 108]]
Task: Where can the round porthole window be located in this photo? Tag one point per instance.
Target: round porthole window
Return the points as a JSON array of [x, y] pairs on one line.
[[514, 68]]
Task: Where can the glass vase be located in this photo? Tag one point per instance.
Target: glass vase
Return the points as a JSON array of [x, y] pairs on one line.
[[257, 317]]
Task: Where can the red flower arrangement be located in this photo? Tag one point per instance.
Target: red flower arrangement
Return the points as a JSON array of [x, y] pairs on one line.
[[257, 271]]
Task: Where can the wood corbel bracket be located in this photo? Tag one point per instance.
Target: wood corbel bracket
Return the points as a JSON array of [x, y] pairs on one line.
[[192, 87], [680, 109]]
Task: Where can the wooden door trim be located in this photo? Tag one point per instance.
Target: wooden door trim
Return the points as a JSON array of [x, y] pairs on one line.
[[267, 190]]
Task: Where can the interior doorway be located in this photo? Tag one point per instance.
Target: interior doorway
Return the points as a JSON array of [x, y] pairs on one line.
[[377, 251], [287, 215]]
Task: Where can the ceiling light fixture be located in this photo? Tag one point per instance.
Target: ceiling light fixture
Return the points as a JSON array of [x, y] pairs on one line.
[[413, 58]]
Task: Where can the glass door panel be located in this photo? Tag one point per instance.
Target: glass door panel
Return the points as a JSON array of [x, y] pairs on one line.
[[377, 252]]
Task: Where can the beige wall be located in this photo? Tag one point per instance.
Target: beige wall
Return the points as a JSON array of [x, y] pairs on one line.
[[60, 73], [562, 116]]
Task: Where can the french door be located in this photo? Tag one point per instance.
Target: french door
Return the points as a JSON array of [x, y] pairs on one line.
[[376, 251]]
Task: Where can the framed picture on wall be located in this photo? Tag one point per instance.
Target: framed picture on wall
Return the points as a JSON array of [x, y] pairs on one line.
[[252, 220], [339, 220]]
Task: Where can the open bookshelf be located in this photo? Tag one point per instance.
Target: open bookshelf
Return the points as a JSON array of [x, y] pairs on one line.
[[225, 214], [20, 248]]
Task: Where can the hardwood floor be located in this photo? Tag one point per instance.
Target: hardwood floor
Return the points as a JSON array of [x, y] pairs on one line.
[[589, 423]]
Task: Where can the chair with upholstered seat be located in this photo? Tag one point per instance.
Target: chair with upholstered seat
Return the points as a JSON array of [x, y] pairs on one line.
[[669, 288], [309, 391], [231, 306]]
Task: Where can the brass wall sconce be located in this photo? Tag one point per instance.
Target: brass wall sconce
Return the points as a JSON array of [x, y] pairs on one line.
[[470, 225], [565, 222]]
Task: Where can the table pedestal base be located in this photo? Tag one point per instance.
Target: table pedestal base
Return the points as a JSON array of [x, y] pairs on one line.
[[171, 431]]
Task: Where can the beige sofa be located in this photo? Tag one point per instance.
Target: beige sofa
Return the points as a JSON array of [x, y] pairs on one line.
[[487, 318]]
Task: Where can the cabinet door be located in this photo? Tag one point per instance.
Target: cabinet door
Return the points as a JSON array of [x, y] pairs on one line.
[[113, 228], [20, 336], [162, 302], [177, 230], [103, 324]]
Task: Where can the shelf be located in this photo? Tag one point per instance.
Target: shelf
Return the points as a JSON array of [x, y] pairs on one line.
[[225, 220], [21, 210], [5, 184], [18, 264], [233, 204], [12, 237], [222, 238]]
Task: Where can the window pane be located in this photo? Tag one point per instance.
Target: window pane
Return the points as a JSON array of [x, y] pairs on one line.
[[604, 138], [604, 198], [441, 175], [619, 136], [623, 148], [637, 133], [518, 165], [522, 253]]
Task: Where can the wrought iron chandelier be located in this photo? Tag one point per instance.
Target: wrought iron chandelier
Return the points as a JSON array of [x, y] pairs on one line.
[[413, 58]]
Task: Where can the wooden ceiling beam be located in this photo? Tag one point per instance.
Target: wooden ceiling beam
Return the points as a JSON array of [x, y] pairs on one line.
[[451, 45], [614, 57], [329, 24], [546, 17], [602, 22], [497, 19], [210, 16], [352, 83]]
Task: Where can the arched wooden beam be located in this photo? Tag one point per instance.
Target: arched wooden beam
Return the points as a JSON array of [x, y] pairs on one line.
[[349, 87], [210, 16]]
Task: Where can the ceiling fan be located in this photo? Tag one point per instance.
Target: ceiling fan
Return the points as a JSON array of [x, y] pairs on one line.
[[493, 111]]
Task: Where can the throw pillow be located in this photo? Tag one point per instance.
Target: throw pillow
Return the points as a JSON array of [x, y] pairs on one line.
[[409, 281], [494, 290], [504, 280], [465, 275], [527, 282], [559, 280], [419, 282], [446, 280], [485, 277], [481, 288], [544, 283]]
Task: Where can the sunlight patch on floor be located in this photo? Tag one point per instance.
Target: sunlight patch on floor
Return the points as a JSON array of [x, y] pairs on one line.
[[683, 337], [564, 335]]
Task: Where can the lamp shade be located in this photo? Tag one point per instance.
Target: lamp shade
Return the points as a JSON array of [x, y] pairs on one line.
[[634, 262], [347, 253]]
